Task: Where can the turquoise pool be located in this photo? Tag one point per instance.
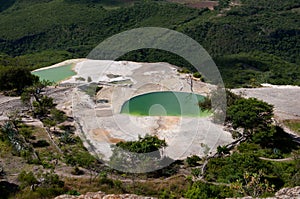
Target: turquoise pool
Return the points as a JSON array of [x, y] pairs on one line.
[[56, 74], [166, 103]]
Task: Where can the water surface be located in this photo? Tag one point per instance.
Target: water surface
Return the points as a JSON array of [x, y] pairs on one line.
[[166, 103], [56, 74]]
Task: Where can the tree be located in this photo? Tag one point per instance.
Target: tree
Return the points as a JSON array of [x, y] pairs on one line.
[[26, 132], [193, 160], [55, 117], [143, 145], [49, 123], [16, 78], [42, 106], [137, 156], [250, 114], [17, 134], [222, 150], [51, 180], [216, 103], [33, 94], [223, 4], [14, 118], [58, 116]]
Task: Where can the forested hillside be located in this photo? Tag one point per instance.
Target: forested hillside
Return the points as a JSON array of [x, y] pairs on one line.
[[47, 147], [258, 40]]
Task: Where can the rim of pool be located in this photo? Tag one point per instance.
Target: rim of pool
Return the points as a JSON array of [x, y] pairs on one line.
[[56, 74], [165, 103]]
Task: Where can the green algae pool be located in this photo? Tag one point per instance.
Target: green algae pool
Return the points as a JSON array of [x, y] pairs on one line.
[[166, 103], [56, 74]]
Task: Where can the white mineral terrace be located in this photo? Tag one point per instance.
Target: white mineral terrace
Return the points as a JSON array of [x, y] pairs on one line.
[[103, 125]]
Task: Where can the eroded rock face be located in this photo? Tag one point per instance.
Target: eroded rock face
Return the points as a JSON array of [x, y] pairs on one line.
[[288, 193], [284, 193], [101, 195]]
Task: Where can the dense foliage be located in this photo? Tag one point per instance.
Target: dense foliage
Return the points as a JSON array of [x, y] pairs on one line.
[[145, 144], [248, 170], [250, 114], [248, 40], [16, 78], [252, 43], [137, 156], [201, 190]]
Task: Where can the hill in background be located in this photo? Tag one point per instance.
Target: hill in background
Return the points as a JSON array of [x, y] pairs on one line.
[[256, 41]]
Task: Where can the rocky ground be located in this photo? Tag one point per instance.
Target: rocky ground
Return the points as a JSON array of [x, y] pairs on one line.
[[99, 123], [103, 125], [284, 98], [101, 195], [285, 193]]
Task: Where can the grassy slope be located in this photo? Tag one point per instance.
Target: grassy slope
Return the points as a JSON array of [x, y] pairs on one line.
[[65, 29]]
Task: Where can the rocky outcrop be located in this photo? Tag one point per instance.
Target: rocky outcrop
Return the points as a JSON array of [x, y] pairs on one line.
[[284, 193], [288, 193], [101, 195]]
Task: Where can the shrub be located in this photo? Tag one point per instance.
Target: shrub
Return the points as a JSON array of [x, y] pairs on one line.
[[89, 79], [73, 193], [197, 75], [205, 104], [16, 78], [27, 179], [193, 160], [41, 143], [196, 172], [201, 190]]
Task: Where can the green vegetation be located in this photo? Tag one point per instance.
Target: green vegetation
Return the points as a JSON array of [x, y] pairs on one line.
[[14, 79], [249, 43], [35, 60], [202, 190], [250, 114], [40, 104], [246, 171], [193, 160], [137, 156], [143, 145], [205, 104], [252, 69], [40, 33], [47, 147], [48, 186]]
